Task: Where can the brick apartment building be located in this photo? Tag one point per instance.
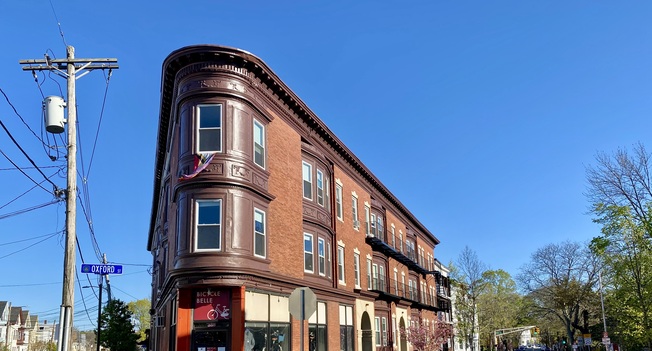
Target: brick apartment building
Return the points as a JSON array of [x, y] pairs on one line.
[[253, 197]]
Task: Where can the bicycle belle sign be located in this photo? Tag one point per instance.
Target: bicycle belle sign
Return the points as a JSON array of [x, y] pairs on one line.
[[212, 304]]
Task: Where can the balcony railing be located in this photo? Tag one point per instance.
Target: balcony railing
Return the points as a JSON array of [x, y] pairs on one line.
[[379, 284]]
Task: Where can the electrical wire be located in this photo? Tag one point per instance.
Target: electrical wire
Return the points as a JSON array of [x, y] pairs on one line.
[[132, 264], [99, 123], [25, 248], [25, 174], [28, 239], [124, 292], [23, 285], [19, 116], [19, 168], [82, 295], [89, 220], [23, 194], [25, 210], [26, 155], [58, 24]]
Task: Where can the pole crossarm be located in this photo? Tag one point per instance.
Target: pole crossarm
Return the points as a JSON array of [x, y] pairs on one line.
[[500, 332]]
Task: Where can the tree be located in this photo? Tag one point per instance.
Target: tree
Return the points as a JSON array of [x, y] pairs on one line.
[[117, 330], [627, 255], [559, 280], [468, 284], [423, 338], [498, 305], [42, 346], [623, 180], [140, 311]]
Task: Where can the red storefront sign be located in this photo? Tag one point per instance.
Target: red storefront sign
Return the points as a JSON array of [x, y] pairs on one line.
[[211, 305]]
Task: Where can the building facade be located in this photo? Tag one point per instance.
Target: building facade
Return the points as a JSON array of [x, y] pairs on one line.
[[254, 197]]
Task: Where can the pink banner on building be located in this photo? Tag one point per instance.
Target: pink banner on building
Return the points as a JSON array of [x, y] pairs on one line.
[[212, 304]]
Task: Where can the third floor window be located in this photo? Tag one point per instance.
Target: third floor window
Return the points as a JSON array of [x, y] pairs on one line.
[[259, 144], [209, 128]]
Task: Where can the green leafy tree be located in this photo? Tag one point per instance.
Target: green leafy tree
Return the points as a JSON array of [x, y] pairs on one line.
[[560, 281], [498, 305], [117, 330], [140, 312], [627, 255]]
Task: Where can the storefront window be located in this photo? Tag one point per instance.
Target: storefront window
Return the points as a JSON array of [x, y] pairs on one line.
[[267, 336]]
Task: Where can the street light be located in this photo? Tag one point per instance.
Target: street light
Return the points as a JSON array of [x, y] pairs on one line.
[[99, 313]]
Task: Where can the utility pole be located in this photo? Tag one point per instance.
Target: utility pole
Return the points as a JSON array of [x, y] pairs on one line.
[[73, 66]]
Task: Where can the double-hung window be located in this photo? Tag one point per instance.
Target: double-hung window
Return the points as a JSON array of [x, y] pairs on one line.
[[322, 256], [209, 128], [208, 225], [338, 201], [377, 331], [307, 180], [320, 187], [259, 144], [308, 258], [259, 233], [368, 274], [340, 265], [366, 218], [384, 330], [356, 269], [356, 223]]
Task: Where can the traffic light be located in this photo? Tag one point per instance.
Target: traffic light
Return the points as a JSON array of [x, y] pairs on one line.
[[536, 330], [563, 340]]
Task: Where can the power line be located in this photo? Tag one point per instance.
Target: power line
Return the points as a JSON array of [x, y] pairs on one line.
[[58, 24], [23, 194], [19, 116], [19, 168], [24, 285], [25, 153], [15, 213], [25, 174], [23, 249], [28, 239], [99, 124]]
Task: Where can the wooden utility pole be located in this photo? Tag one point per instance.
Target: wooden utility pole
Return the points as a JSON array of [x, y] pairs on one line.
[[73, 66]]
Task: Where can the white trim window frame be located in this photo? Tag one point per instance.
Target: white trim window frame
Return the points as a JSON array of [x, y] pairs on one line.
[[338, 202], [260, 236], [308, 253], [321, 247], [356, 269], [307, 180], [368, 274], [367, 213], [259, 144], [384, 330], [377, 331], [356, 220], [209, 128], [320, 187], [208, 223], [341, 276]]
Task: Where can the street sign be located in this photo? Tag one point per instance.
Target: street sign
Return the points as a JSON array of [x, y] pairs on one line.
[[101, 268], [606, 341], [303, 303]]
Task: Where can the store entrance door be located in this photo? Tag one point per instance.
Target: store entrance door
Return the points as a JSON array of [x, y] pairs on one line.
[[211, 339]]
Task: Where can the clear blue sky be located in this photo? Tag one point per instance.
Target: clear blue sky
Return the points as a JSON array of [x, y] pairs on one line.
[[480, 116]]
